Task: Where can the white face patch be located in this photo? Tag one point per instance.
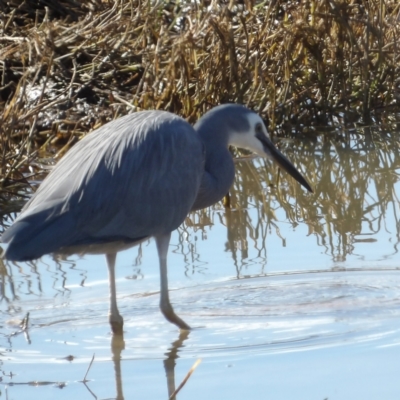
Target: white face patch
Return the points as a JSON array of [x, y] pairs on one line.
[[247, 140]]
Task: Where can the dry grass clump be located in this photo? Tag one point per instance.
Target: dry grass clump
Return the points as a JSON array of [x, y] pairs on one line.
[[67, 67]]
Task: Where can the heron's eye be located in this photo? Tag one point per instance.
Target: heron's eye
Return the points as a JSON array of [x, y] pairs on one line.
[[259, 128]]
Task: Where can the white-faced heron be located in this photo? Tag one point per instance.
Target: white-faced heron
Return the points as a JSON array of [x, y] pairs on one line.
[[137, 177]]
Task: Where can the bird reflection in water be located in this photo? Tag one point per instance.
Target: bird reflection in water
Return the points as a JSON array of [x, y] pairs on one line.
[[170, 360]]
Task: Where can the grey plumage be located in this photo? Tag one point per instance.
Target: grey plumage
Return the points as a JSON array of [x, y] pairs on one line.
[[103, 189], [136, 177]]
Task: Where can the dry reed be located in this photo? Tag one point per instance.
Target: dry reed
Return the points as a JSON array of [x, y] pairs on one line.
[[67, 67]]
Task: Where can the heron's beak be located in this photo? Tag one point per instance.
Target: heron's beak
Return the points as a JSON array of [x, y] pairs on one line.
[[281, 160]]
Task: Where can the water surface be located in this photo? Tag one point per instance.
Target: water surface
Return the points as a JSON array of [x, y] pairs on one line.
[[291, 295]]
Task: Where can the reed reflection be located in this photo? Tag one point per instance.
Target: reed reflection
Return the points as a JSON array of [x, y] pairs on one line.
[[354, 200], [21, 280]]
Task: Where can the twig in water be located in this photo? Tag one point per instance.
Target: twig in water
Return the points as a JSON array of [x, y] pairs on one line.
[[191, 370], [25, 323], [84, 378]]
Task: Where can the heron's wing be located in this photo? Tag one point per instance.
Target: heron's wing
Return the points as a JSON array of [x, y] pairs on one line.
[[134, 177]]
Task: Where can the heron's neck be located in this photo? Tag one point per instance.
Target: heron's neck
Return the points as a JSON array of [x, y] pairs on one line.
[[219, 172]]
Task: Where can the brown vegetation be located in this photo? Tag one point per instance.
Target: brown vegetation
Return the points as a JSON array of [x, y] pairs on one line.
[[67, 67]]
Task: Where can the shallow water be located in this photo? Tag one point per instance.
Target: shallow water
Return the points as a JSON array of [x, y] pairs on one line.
[[291, 295]]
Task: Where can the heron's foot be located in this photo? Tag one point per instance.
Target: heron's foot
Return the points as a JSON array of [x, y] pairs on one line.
[[170, 316], [116, 323]]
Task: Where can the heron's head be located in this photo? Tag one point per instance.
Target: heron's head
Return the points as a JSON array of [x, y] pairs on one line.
[[245, 129]]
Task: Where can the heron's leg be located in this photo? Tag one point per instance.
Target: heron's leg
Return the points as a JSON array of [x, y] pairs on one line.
[[114, 317], [165, 305]]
